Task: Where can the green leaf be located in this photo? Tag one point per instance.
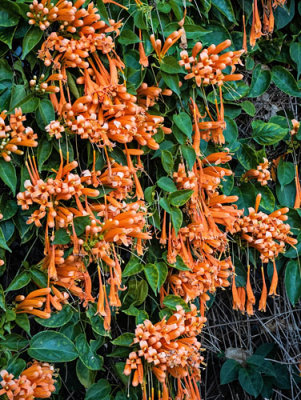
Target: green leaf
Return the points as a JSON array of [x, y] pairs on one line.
[[225, 7], [170, 65], [96, 321], [45, 113], [285, 81], [231, 131], [3, 244], [80, 224], [31, 39], [14, 342], [260, 81], [2, 299], [235, 90], [180, 265], [8, 15], [176, 219], [149, 194], [180, 197], [261, 365], [171, 81], [52, 346], [189, 155], [183, 122], [286, 194], [85, 375], [19, 281], [229, 371], [283, 15], [285, 172], [8, 175], [44, 151], [267, 200], [167, 160], [72, 85], [61, 237], [295, 53], [152, 276], [126, 339], [38, 277], [133, 267], [250, 380], [264, 349], [22, 321], [99, 390], [167, 184], [171, 301], [293, 281], [86, 354], [267, 133], [7, 35], [128, 37], [103, 11], [57, 319], [163, 272], [16, 366]]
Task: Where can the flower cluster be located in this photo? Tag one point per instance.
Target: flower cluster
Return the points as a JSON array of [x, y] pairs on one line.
[[266, 27], [261, 173], [169, 348], [268, 234], [35, 382], [201, 244], [206, 65], [15, 134]]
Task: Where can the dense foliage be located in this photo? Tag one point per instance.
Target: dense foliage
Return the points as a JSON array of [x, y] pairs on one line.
[[149, 159]]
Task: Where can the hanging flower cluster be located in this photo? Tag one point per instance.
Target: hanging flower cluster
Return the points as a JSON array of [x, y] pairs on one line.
[[15, 134], [261, 173], [206, 65], [168, 348], [268, 234], [35, 382], [266, 27], [201, 244]]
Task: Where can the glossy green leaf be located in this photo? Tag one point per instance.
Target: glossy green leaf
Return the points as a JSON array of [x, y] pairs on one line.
[[295, 53], [51, 346], [44, 151], [229, 371], [13, 342], [126, 339], [58, 318], [180, 197], [293, 281], [285, 81], [225, 7], [285, 172], [250, 380], [86, 354], [31, 39], [133, 267], [98, 390], [128, 37], [85, 375], [189, 155], [167, 184], [267, 133], [183, 122], [2, 299], [261, 79], [163, 272], [170, 65], [167, 160], [171, 301], [45, 113], [8, 175], [152, 276], [171, 81], [176, 219], [19, 281]]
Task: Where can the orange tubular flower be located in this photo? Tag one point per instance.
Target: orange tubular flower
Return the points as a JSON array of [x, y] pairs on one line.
[[34, 382], [156, 348], [206, 66], [169, 42], [143, 58], [298, 189], [263, 299], [261, 173], [256, 25]]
